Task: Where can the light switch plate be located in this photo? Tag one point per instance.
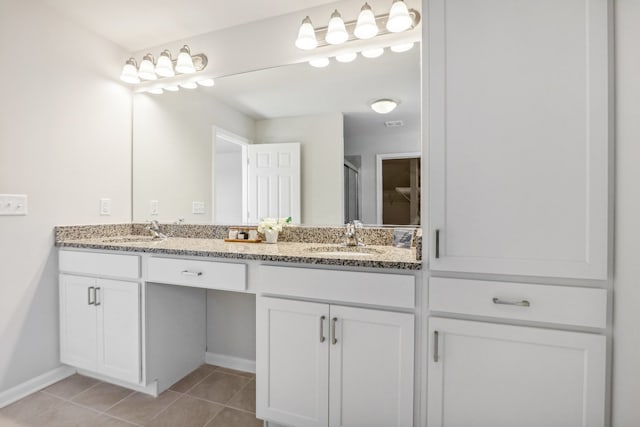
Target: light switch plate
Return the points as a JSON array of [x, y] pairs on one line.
[[197, 208], [153, 207], [13, 204], [105, 206]]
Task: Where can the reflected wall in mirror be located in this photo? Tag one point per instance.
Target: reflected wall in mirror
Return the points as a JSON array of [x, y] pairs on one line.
[[227, 155]]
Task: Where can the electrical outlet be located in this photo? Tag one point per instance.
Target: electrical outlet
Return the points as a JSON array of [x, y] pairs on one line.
[[197, 208], [13, 204], [153, 207], [105, 207]]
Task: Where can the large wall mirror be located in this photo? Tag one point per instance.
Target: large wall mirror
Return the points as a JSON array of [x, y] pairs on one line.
[[292, 140]]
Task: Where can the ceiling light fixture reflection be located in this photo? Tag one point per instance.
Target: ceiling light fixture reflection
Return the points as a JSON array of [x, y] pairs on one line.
[[403, 47], [366, 26], [384, 106], [188, 85], [399, 18], [346, 57], [156, 91], [172, 88], [306, 35], [336, 31], [373, 53], [130, 72], [319, 62], [207, 82]]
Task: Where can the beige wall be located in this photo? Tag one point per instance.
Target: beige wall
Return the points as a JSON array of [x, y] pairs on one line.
[[321, 141], [65, 141]]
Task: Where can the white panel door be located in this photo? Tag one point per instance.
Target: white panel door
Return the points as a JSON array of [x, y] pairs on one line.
[[274, 181], [371, 369], [292, 362], [77, 322], [118, 308], [519, 130], [489, 375]]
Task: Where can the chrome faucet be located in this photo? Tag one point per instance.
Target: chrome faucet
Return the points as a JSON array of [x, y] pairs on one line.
[[154, 229], [352, 234]]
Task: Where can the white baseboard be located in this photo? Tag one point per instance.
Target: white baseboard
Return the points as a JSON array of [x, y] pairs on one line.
[[16, 393], [231, 362]]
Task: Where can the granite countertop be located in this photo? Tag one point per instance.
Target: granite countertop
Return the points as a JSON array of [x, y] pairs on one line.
[[377, 256]]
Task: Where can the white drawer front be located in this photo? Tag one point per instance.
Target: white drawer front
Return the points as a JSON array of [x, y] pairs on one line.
[[392, 290], [200, 274], [100, 264], [556, 304]]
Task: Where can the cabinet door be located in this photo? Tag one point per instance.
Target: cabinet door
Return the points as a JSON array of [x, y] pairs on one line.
[[118, 309], [371, 369], [292, 362], [77, 322], [519, 130], [489, 375]]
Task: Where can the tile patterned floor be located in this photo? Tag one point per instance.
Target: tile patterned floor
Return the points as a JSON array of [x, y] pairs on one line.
[[210, 396]]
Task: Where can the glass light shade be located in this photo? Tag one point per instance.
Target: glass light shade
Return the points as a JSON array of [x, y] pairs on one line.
[[336, 31], [206, 82], [403, 47], [306, 35], [189, 85], [173, 88], [319, 62], [366, 27], [184, 64], [130, 72], [346, 57], [399, 19], [384, 106], [147, 69], [373, 53], [156, 91], [164, 67]]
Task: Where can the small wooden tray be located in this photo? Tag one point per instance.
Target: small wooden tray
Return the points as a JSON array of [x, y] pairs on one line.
[[243, 240]]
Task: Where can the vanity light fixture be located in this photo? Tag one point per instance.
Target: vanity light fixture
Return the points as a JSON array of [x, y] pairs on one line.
[[164, 67], [207, 82], [319, 62], [384, 106], [184, 65], [346, 57], [147, 68], [130, 72], [366, 26], [403, 47], [373, 53]]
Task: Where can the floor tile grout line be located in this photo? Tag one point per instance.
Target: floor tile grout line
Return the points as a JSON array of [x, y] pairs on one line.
[[130, 394], [198, 383], [239, 391]]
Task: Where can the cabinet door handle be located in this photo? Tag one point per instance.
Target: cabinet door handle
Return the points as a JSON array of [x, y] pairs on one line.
[[191, 273], [437, 243], [436, 343], [322, 338], [522, 303], [89, 300], [95, 296], [334, 340]]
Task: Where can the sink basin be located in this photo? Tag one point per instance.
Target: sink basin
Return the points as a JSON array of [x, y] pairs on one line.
[[344, 251], [130, 239]]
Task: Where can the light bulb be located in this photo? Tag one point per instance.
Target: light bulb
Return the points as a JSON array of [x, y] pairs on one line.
[[336, 31], [156, 91], [346, 57], [206, 82], [366, 27], [384, 106], [184, 64], [130, 72], [306, 35], [164, 67], [403, 47], [189, 85], [399, 18], [172, 88], [319, 62], [373, 53], [147, 69]]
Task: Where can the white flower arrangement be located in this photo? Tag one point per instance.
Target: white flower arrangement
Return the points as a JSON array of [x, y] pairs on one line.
[[273, 224]]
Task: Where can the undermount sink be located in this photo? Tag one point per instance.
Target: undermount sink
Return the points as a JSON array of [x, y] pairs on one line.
[[344, 251], [130, 239]]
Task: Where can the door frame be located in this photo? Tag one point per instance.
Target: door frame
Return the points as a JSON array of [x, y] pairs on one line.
[[218, 132], [379, 159]]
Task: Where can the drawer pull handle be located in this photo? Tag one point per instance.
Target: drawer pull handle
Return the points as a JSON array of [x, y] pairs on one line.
[[95, 296], [89, 300], [523, 303], [322, 338], [192, 273], [437, 244], [435, 346], [334, 340]]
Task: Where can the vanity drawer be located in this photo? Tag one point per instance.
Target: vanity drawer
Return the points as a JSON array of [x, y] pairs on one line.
[[392, 290], [541, 303], [200, 274], [100, 264]]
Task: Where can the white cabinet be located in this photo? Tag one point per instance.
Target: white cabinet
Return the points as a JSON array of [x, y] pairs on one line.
[[329, 365], [100, 326], [490, 375], [519, 135]]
